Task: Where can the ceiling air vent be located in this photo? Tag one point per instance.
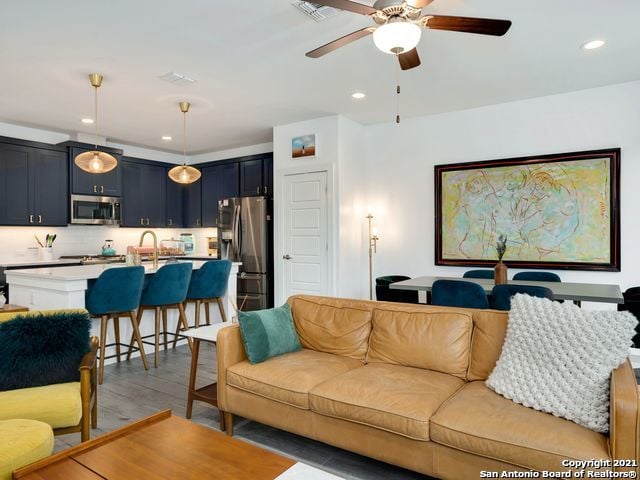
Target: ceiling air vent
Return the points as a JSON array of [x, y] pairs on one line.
[[315, 11], [177, 78]]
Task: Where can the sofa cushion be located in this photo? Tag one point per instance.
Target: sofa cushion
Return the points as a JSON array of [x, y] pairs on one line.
[[479, 421], [23, 442], [420, 337], [289, 377], [58, 405], [268, 333], [42, 348], [490, 328], [389, 397], [558, 358], [333, 325]]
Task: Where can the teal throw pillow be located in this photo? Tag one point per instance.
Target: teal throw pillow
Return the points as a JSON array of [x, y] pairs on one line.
[[267, 333]]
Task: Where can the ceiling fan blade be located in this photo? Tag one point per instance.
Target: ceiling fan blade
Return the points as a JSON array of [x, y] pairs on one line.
[[349, 6], [340, 42], [483, 26], [419, 3], [409, 60]]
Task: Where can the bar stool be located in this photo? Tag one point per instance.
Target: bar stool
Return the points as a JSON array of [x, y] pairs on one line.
[[167, 288], [116, 293], [209, 283]]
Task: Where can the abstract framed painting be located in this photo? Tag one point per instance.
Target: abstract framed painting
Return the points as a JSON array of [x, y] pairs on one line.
[[559, 211]]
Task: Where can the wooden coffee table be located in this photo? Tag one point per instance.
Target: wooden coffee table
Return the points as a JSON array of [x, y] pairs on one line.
[[162, 447]]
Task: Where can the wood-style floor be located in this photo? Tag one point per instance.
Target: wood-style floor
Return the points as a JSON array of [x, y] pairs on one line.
[[129, 393]]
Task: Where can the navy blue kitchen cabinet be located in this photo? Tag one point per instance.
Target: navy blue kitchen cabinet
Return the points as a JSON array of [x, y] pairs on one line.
[[192, 204], [267, 176], [85, 183], [175, 203], [143, 194], [251, 183], [218, 182], [50, 193], [33, 184]]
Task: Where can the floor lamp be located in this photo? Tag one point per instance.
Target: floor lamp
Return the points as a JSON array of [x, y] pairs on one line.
[[373, 243]]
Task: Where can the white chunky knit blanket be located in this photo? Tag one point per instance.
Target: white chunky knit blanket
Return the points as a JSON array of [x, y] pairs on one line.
[[558, 358]]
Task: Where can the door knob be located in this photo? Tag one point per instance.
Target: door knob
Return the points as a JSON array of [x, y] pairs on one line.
[[286, 257]]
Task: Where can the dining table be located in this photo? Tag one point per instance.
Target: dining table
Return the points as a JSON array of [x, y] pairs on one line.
[[575, 292]]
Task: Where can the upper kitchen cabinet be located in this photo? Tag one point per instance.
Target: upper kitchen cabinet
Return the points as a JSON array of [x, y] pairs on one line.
[[143, 194], [175, 202], [33, 186], [85, 183], [193, 205], [267, 176], [251, 178], [256, 176], [218, 182], [50, 195]]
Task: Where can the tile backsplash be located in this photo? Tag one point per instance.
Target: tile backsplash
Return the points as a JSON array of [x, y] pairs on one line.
[[19, 242]]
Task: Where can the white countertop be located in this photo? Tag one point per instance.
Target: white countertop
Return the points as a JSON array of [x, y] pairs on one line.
[[82, 272], [18, 261]]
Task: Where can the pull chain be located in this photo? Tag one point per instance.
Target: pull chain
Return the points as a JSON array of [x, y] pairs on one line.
[[398, 91]]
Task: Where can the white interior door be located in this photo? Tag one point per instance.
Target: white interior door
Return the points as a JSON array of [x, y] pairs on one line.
[[305, 247]]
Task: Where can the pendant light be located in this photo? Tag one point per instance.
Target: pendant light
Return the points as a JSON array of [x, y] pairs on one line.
[[96, 161], [183, 173]]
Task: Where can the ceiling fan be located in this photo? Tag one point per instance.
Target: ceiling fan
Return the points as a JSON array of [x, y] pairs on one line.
[[400, 24]]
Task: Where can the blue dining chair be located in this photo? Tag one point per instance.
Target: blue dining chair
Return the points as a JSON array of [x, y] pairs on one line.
[[458, 293], [479, 274], [501, 294], [208, 283], [165, 289], [115, 293], [537, 276]]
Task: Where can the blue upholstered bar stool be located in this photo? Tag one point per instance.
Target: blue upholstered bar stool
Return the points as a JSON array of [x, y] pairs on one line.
[[538, 276], [501, 294], [208, 284], [458, 293], [116, 293], [479, 274], [165, 289]]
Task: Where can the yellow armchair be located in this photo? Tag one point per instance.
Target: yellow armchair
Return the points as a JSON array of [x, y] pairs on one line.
[[66, 407]]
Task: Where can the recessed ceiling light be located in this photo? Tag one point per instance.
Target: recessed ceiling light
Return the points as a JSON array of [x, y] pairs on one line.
[[87, 120], [167, 138], [593, 44], [358, 95]]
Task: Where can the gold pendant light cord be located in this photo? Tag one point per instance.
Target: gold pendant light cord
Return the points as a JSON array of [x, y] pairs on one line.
[[184, 136], [95, 107]]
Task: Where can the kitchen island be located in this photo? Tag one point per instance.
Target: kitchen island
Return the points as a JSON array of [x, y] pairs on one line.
[[65, 287]]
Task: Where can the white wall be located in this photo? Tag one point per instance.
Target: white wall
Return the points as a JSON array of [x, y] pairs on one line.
[[400, 160], [339, 152]]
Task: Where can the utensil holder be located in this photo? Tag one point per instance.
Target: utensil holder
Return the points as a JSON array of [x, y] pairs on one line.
[[45, 253]]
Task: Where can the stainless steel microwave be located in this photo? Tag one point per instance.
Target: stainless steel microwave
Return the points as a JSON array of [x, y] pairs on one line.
[[92, 210]]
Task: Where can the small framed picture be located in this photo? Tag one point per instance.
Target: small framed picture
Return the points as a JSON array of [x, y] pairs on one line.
[[303, 146]]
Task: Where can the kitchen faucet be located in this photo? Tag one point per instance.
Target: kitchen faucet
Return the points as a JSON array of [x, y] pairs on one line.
[[155, 246]]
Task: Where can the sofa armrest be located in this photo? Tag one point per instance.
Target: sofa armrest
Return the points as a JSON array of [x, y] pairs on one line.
[[624, 419], [229, 351]]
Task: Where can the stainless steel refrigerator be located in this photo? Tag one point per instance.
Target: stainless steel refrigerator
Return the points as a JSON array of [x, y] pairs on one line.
[[244, 235]]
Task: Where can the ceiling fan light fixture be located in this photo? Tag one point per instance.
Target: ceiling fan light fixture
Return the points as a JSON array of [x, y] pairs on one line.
[[397, 37]]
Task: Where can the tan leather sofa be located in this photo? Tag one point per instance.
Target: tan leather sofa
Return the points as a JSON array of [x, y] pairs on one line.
[[405, 384]]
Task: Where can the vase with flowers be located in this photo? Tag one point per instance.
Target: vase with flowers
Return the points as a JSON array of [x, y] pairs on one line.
[[501, 268]]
